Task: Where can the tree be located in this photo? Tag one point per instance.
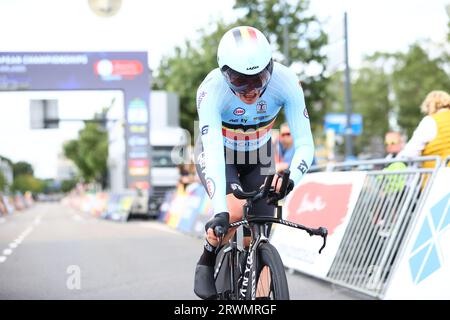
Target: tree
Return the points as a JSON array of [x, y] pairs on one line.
[[415, 75], [21, 168], [26, 182], [370, 98], [185, 70], [188, 66], [370, 94], [3, 182], [68, 185], [89, 152]]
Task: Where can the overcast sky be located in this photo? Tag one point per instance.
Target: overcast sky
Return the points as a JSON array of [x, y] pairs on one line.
[[157, 27]]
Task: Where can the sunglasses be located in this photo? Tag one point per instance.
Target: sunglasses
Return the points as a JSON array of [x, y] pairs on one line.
[[286, 134], [242, 83]]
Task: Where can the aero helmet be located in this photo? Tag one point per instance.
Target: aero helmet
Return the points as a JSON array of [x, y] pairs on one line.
[[245, 59]]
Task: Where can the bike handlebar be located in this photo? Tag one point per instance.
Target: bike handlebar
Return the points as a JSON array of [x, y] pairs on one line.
[[267, 191], [264, 191]]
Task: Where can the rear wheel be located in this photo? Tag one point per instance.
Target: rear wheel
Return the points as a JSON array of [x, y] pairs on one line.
[[271, 282]]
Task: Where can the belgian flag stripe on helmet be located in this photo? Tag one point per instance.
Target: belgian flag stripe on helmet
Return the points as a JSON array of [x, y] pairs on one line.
[[243, 34]]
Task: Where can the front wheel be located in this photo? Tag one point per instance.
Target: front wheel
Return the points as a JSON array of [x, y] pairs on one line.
[[271, 282]]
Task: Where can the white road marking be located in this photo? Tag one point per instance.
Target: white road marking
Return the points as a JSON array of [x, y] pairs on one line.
[[26, 232], [16, 242]]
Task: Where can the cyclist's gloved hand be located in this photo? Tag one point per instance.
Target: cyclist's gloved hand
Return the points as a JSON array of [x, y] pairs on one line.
[[274, 197], [220, 219], [290, 187]]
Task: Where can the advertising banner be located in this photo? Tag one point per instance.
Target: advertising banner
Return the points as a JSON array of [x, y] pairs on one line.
[[126, 71], [324, 199], [193, 200], [424, 267]]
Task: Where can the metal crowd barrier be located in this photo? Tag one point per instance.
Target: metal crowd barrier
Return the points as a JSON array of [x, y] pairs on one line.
[[386, 209]]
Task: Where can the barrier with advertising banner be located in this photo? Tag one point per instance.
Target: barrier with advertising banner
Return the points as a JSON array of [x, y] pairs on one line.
[[423, 271], [189, 209], [322, 199]]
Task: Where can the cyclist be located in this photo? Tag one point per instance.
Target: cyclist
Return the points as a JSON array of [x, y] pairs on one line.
[[237, 104]]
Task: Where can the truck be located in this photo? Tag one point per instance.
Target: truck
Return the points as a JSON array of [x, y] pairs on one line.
[[169, 144]]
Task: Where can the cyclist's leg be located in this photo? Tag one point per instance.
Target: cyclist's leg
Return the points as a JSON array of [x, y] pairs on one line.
[[204, 285], [253, 180], [249, 170]]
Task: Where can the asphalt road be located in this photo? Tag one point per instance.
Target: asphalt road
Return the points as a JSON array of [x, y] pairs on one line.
[[54, 252]]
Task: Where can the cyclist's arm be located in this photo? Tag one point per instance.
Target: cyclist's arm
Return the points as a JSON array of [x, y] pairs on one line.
[[210, 129], [298, 121]]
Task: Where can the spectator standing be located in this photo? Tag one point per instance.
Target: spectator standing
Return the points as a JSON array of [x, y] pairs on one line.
[[285, 148], [394, 143], [432, 135]]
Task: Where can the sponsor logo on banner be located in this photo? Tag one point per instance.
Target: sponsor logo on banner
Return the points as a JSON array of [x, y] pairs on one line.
[[138, 154], [137, 141], [138, 171], [110, 70], [239, 111], [143, 185], [138, 129], [137, 112], [318, 204], [423, 267], [425, 257], [138, 163], [261, 107]]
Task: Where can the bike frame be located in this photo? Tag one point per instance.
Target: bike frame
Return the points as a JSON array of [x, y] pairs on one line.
[[240, 280], [259, 229]]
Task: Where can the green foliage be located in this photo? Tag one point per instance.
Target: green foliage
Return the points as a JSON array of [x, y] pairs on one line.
[[3, 182], [89, 152], [68, 185], [415, 75], [21, 168], [389, 83], [185, 70], [26, 182], [371, 99]]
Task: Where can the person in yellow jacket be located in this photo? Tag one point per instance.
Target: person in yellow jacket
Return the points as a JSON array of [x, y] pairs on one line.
[[432, 135]]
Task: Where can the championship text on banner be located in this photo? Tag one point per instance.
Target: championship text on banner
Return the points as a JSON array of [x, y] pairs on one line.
[[424, 268], [322, 199]]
